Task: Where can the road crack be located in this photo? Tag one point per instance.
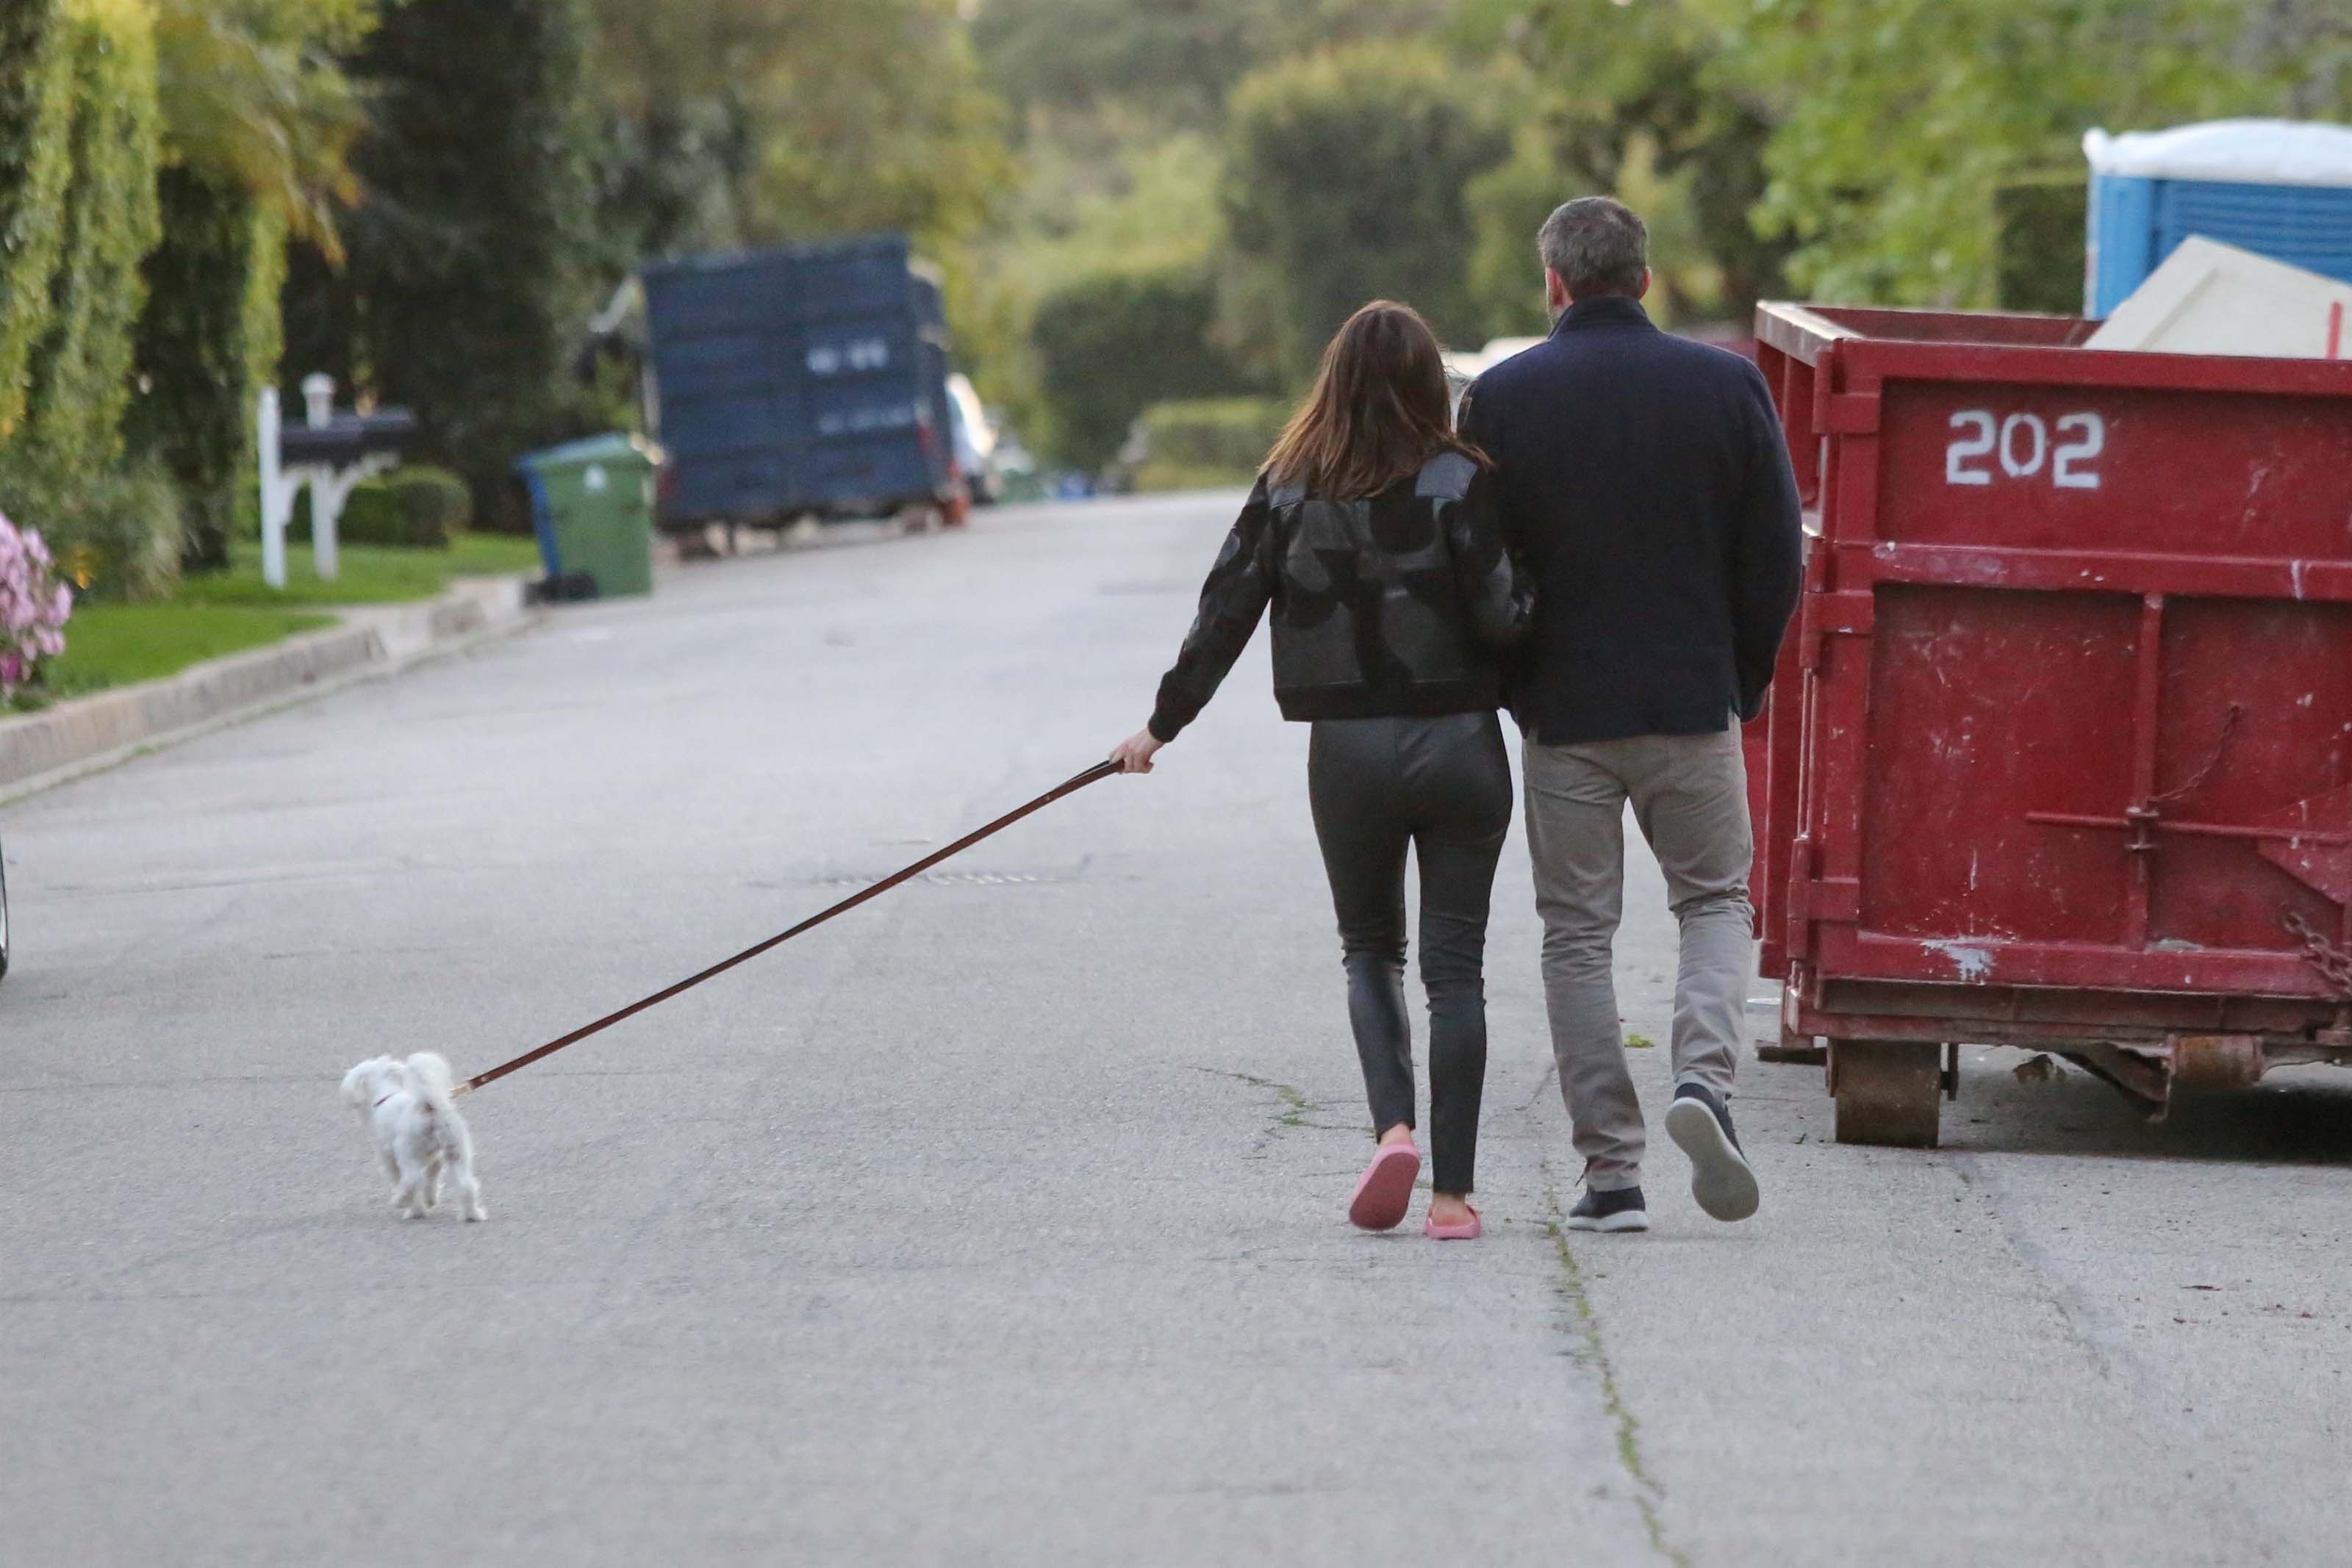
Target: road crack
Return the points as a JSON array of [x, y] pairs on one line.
[[1584, 1324], [1294, 1107]]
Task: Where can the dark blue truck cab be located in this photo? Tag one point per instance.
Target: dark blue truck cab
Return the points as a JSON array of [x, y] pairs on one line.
[[807, 381]]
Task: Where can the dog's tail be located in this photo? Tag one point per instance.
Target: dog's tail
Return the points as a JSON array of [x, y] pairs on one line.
[[428, 1079]]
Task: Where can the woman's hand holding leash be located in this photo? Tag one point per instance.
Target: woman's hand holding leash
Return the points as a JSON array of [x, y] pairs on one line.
[[1134, 754]]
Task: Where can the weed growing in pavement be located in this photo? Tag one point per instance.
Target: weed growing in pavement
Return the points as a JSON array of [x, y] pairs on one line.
[[1296, 1106], [1586, 1325]]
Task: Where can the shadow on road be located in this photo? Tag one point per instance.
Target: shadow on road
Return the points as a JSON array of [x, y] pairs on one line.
[[2298, 1115]]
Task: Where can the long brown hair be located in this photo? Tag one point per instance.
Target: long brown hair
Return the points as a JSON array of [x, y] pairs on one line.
[[1379, 409]]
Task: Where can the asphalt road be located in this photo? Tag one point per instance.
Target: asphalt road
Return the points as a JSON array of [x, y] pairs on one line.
[[1001, 1221]]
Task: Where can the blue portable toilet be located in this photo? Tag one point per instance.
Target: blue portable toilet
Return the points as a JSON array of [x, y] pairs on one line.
[[2280, 188]]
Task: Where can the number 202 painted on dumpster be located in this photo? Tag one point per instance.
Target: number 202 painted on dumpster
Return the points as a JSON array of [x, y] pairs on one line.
[[2021, 445]]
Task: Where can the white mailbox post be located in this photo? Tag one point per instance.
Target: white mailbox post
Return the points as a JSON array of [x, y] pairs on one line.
[[329, 452]]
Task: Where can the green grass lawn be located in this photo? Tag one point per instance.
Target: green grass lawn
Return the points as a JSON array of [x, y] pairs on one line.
[[370, 574], [229, 612], [118, 644]]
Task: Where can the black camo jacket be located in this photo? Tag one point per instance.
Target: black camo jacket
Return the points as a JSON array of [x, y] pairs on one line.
[[1398, 604]]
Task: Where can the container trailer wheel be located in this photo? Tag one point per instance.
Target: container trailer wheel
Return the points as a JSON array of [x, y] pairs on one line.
[[1886, 1091]]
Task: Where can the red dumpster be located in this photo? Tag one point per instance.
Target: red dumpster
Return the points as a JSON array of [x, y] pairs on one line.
[[2059, 749]]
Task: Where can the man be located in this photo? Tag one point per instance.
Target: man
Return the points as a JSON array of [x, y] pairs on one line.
[[1646, 478]]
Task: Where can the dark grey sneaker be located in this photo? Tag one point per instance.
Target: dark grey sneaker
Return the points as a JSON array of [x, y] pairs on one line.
[[1721, 1178], [1619, 1210]]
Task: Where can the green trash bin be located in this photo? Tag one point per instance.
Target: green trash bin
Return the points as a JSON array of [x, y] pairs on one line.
[[593, 503]]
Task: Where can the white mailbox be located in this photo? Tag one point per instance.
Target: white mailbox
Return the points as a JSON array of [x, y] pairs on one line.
[[329, 452]]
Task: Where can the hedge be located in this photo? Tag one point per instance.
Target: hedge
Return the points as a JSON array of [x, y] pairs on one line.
[[36, 121], [416, 508], [81, 362], [1205, 444], [80, 133]]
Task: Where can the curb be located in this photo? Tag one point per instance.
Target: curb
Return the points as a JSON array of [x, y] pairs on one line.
[[87, 734]]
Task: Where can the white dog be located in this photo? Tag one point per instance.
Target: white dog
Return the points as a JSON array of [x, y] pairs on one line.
[[417, 1131]]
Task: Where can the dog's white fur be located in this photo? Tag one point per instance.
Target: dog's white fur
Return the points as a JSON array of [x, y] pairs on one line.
[[418, 1133]]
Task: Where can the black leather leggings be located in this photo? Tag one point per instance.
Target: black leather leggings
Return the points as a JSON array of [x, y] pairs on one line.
[[1442, 786]]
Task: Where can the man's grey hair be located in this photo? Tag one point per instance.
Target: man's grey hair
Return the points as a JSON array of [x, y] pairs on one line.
[[1597, 245]]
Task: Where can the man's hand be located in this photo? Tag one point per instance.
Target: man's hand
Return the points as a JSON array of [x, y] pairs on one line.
[[1134, 754]]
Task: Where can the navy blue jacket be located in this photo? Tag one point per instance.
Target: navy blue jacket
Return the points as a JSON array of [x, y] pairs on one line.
[[1645, 481]]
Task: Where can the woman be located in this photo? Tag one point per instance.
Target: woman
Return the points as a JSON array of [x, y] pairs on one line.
[[1372, 533]]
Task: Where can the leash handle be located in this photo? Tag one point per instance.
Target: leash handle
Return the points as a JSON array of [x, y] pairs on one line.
[[1099, 771]]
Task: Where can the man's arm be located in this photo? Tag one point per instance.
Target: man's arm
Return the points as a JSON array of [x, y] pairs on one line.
[[1231, 600], [1766, 552]]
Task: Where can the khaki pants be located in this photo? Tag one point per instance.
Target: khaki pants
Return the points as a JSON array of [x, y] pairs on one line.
[[1689, 794]]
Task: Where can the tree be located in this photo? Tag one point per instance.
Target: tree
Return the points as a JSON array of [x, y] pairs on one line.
[[1346, 180], [736, 122], [255, 100], [1642, 101], [1172, 61], [466, 287], [258, 122], [1900, 119], [885, 125]]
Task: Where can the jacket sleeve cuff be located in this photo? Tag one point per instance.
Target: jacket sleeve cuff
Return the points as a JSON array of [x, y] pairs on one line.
[[1164, 727]]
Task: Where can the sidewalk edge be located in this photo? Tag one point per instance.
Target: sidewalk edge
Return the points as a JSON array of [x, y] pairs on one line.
[[89, 735]]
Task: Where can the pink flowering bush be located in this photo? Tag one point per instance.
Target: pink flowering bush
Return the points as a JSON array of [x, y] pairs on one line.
[[33, 607]]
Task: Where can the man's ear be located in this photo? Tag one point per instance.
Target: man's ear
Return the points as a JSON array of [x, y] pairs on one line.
[[1556, 292], [1643, 292]]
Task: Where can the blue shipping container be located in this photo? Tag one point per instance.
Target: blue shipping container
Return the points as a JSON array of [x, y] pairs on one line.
[[2277, 189], [810, 379]]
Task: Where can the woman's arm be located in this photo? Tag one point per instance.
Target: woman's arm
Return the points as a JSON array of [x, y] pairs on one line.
[[1231, 600], [1498, 591]]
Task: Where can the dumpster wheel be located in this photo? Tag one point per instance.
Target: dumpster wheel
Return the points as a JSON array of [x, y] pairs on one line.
[[1886, 1091]]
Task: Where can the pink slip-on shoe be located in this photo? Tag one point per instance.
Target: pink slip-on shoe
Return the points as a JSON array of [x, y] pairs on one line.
[[1466, 1230], [1384, 1191]]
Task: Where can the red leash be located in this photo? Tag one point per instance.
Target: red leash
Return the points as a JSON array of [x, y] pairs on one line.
[[1100, 770]]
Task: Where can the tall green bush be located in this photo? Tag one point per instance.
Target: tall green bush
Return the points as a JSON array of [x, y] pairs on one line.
[[1111, 344], [206, 343], [36, 163], [81, 362], [85, 214]]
